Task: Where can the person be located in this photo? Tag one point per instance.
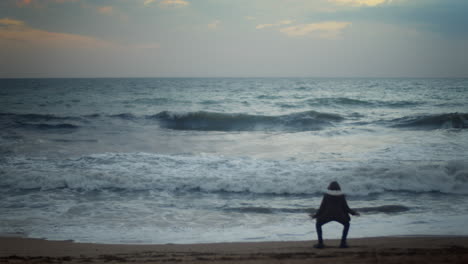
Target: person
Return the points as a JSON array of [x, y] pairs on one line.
[[333, 208]]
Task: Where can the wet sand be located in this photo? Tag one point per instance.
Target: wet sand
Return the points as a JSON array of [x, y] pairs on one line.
[[424, 249]]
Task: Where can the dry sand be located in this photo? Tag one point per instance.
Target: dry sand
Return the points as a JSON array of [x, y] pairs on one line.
[[429, 249]]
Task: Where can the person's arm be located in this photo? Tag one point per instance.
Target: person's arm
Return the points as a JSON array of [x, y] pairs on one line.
[[321, 208], [349, 210]]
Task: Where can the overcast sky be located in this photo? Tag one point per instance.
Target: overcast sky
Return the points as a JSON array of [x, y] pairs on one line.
[[233, 38]]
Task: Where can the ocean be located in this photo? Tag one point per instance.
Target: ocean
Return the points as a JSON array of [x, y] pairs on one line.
[[192, 160]]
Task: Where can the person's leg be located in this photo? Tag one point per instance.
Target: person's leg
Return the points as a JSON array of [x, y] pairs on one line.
[[345, 235], [318, 227]]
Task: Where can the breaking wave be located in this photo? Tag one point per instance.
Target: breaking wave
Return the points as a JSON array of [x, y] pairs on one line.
[[216, 121], [343, 101], [213, 174], [387, 209], [436, 121], [36, 117], [211, 121], [201, 120], [38, 122], [41, 126]]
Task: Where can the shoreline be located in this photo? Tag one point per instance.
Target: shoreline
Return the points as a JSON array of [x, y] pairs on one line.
[[394, 249]]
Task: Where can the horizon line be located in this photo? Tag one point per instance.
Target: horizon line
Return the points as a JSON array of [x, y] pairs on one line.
[[236, 77]]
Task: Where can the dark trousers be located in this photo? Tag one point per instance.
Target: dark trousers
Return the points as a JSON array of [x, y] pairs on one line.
[[318, 226]]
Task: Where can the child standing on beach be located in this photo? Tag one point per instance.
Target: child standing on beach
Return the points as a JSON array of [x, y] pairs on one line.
[[333, 208]]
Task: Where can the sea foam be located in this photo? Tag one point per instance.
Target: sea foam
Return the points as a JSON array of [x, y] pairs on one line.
[[210, 173]]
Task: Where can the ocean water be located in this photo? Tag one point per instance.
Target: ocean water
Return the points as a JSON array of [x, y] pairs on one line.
[[230, 159]]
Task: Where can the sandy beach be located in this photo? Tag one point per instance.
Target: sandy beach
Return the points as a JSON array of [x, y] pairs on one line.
[[427, 249]]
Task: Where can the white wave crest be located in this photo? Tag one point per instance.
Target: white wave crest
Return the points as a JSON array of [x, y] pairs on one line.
[[209, 173]]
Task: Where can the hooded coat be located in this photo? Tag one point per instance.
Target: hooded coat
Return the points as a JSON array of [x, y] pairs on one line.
[[334, 208]]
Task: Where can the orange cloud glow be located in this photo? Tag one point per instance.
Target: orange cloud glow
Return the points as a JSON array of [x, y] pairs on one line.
[[15, 33], [10, 22], [360, 2], [21, 3], [40, 3], [106, 10]]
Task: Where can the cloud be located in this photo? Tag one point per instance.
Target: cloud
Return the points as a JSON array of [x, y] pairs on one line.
[[173, 3], [148, 2], [27, 51], [262, 26], [105, 10], [41, 3], [280, 23], [111, 11], [444, 17], [10, 22], [167, 3], [360, 2], [214, 25], [16, 32], [21, 3], [330, 29]]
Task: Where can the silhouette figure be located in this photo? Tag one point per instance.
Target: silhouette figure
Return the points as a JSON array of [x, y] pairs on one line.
[[333, 208]]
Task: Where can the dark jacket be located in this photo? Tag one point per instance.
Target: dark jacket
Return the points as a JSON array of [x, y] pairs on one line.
[[334, 208]]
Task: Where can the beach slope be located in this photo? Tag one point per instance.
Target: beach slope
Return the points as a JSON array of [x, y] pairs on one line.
[[425, 249]]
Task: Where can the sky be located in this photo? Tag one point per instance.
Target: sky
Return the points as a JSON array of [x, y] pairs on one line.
[[233, 38]]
